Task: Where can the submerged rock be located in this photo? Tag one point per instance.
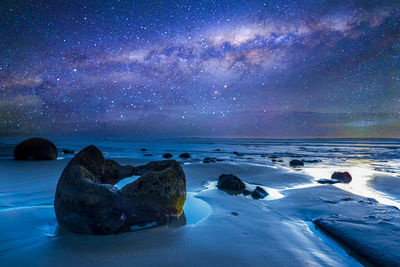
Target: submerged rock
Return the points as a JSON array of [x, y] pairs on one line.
[[259, 193], [35, 149], [296, 162], [184, 156], [231, 184], [143, 149], [167, 156], [344, 177], [87, 202]]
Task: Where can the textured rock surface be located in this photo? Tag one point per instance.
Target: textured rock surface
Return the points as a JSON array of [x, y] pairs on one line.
[[35, 149], [156, 195], [87, 202]]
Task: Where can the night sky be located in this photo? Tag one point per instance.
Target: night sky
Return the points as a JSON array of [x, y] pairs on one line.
[[200, 68]]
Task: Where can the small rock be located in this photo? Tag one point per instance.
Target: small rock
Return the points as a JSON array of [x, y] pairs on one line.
[[184, 156], [67, 151], [35, 149], [167, 156], [143, 149], [230, 184], [235, 213], [238, 154], [259, 193], [209, 160], [217, 149], [296, 162], [344, 177]]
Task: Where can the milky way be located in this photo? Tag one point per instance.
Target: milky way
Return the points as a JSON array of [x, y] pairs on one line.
[[200, 68]]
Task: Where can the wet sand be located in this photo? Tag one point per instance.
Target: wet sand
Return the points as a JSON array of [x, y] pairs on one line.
[[275, 231]]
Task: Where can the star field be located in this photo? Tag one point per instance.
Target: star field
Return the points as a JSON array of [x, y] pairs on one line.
[[200, 68]]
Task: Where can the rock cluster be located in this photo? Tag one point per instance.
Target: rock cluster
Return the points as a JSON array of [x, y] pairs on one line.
[[235, 186]]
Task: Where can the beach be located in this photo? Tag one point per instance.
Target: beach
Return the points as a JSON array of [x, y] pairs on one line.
[[300, 222]]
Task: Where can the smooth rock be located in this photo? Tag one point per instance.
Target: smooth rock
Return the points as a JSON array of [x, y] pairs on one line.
[[344, 177], [35, 149], [167, 156], [184, 156]]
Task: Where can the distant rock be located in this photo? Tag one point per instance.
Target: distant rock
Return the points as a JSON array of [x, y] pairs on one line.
[[167, 156], [230, 184], [296, 162], [210, 160], [259, 193], [35, 149], [67, 151], [184, 156], [87, 202], [217, 149], [238, 153], [143, 149], [344, 177], [235, 213]]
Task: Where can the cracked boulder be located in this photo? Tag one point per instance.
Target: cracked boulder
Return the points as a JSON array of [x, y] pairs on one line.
[[87, 201]]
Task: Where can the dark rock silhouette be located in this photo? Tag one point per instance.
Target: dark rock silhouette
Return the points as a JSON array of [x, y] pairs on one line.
[[344, 177], [296, 162], [259, 193], [167, 156], [35, 149], [184, 156]]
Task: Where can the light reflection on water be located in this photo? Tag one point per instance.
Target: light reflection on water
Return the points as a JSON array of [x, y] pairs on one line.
[[362, 173]]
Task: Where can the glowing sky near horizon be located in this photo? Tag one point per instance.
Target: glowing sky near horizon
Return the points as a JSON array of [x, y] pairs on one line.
[[200, 68]]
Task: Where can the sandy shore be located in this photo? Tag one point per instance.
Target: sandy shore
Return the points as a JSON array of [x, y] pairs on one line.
[[278, 231]]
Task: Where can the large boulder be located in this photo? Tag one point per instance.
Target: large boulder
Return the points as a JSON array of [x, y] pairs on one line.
[[86, 200], [231, 184], [35, 149], [344, 177]]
